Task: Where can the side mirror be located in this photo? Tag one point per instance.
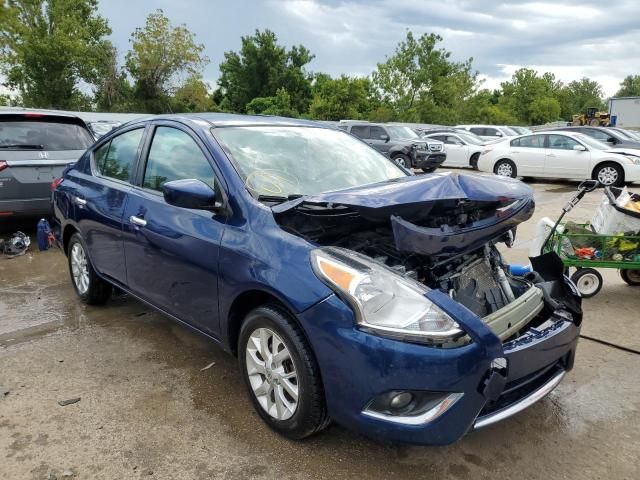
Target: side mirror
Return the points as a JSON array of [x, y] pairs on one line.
[[384, 137], [193, 193], [579, 148], [498, 134], [611, 140]]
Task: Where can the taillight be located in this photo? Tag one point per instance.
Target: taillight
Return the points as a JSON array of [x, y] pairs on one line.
[[3, 165], [55, 183]]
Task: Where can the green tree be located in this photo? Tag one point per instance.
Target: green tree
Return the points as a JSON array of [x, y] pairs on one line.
[[260, 69], [339, 98], [519, 95], [279, 104], [420, 82], [161, 56], [193, 96], [579, 95], [629, 87], [113, 92], [48, 47], [543, 110]]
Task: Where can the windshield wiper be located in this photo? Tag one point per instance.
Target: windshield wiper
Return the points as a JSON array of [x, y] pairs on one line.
[[279, 198], [28, 146]]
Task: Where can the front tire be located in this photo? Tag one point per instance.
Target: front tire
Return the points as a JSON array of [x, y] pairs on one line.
[[505, 168], [473, 161], [402, 160], [281, 374], [91, 289], [609, 175], [429, 170]]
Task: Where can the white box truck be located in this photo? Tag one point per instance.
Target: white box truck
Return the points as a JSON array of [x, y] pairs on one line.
[[625, 112]]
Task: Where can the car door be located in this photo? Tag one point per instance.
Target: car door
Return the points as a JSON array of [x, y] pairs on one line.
[[99, 197], [563, 161], [529, 155], [457, 152], [172, 253], [379, 139]]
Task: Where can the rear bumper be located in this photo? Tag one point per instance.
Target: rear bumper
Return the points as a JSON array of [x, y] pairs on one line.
[[428, 160], [536, 362], [25, 208]]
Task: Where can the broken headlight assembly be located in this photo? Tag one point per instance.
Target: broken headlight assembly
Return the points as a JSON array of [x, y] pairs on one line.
[[384, 302]]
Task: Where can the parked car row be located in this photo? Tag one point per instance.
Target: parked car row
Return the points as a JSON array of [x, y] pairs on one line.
[[401, 144], [562, 153]]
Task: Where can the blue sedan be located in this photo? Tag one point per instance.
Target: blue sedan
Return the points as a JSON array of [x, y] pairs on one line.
[[349, 289]]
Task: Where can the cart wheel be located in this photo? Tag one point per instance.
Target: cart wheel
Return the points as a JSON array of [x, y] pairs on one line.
[[631, 276], [588, 281]]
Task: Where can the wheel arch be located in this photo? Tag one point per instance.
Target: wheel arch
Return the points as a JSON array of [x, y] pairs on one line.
[[246, 301], [601, 163], [67, 232]]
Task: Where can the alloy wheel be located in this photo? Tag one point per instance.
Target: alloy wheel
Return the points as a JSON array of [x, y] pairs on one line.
[[272, 373], [400, 161], [504, 169], [607, 176], [79, 268]]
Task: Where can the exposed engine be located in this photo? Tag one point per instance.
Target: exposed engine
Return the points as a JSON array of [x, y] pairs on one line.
[[478, 280]]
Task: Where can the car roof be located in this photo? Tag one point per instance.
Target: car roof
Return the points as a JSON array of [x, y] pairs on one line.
[[36, 112], [235, 120]]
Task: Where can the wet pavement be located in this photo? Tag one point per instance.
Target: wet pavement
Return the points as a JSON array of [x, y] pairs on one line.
[[148, 410]]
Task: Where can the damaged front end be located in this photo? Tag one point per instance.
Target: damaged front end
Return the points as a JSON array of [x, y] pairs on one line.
[[440, 231]]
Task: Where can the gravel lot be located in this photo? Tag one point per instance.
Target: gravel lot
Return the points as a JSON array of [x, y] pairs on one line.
[[148, 410]]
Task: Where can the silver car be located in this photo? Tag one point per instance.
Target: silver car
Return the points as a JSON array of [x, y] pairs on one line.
[[35, 148]]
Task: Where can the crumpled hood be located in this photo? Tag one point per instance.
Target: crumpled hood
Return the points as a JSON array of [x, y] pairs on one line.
[[410, 196], [411, 205]]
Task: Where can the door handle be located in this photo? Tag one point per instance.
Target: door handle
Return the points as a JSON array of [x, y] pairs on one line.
[[551, 155], [140, 222]]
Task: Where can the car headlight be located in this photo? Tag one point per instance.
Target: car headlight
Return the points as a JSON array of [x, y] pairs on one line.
[[384, 302], [635, 160]]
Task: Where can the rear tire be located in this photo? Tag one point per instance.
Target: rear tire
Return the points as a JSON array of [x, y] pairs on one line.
[[429, 170], [588, 281], [631, 276], [505, 168], [91, 289], [263, 372], [609, 175]]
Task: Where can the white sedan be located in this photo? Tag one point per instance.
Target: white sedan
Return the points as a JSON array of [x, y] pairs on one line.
[[561, 155], [463, 149]]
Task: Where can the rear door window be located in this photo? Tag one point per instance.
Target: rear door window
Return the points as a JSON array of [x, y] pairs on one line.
[[360, 131], [478, 131], [43, 134], [174, 155], [533, 141], [560, 142], [117, 158]]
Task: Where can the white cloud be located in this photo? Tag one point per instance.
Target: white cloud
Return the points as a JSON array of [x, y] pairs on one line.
[[572, 38]]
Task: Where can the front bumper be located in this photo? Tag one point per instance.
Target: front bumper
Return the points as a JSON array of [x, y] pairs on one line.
[[422, 159], [357, 367]]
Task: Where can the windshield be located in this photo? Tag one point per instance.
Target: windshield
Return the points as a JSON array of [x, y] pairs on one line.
[[43, 135], [472, 139], [509, 131], [283, 161], [592, 142], [401, 132]]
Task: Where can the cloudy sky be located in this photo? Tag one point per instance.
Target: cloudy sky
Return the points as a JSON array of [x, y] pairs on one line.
[[571, 38]]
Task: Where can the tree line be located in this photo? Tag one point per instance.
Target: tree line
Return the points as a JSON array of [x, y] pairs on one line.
[[56, 54]]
